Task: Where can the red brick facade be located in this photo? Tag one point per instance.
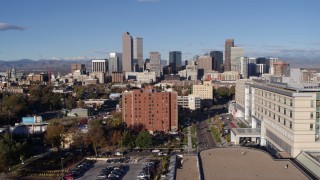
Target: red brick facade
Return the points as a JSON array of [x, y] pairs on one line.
[[150, 110]]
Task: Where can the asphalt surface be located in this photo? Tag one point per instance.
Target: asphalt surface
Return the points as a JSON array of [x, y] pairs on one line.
[[91, 174], [204, 136]]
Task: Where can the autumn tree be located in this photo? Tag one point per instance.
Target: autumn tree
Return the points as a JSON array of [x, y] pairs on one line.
[[53, 135], [96, 137]]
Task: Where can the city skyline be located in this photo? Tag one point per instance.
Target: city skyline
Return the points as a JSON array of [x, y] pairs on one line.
[[77, 29]]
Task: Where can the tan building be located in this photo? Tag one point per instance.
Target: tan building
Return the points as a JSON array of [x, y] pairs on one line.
[[204, 91], [127, 52], [117, 76], [205, 63], [281, 68], [288, 116]]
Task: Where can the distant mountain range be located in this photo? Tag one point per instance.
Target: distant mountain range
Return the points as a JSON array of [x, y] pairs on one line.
[[27, 65], [64, 66]]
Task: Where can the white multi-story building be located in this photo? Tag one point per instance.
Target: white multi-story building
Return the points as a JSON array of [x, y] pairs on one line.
[[242, 66], [286, 114], [141, 77], [191, 101]]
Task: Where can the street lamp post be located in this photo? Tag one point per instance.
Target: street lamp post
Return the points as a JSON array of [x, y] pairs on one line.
[[62, 164]]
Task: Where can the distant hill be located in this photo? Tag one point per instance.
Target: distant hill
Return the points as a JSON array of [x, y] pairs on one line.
[[27, 65]]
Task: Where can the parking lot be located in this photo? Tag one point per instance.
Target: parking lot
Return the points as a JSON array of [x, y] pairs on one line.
[[134, 168]]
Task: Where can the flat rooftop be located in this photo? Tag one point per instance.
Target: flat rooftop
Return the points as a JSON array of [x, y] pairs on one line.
[[243, 163], [187, 167]]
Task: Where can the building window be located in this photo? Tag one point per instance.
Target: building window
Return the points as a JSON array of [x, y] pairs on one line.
[[317, 114], [279, 108], [311, 127], [284, 111], [274, 116], [284, 122], [311, 115], [285, 101], [291, 114], [290, 125], [291, 102], [312, 102], [278, 118]]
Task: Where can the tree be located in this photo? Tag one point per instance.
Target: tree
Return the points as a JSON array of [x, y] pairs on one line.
[[232, 92], [116, 137], [144, 140], [127, 139], [96, 137], [222, 91], [53, 135]]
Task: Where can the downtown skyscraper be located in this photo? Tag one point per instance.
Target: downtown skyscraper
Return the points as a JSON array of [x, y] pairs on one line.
[[175, 61], [155, 65], [127, 52], [227, 53], [138, 62]]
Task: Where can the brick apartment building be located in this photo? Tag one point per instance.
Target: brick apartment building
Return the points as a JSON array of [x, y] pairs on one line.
[[150, 110]]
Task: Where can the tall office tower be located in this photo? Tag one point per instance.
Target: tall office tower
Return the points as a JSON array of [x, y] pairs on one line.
[[155, 65], [266, 61], [158, 111], [114, 62], [204, 65], [261, 69], [99, 65], [138, 53], [242, 67], [227, 54], [175, 61], [127, 52], [271, 68], [217, 60], [252, 66], [234, 53]]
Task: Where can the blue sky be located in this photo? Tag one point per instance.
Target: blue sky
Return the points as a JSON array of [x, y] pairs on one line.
[[37, 29]]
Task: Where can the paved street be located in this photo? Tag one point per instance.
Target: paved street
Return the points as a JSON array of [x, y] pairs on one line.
[[204, 136]]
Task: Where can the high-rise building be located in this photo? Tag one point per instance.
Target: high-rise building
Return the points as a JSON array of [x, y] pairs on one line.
[[271, 69], [150, 110], [217, 60], [138, 54], [155, 65], [252, 67], [99, 65], [204, 65], [281, 68], [80, 67], [127, 52], [266, 61], [175, 61], [261, 69], [227, 54], [234, 53], [242, 66], [114, 62]]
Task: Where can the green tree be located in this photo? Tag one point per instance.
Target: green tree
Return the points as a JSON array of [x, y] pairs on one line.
[[144, 140], [127, 139], [222, 92]]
